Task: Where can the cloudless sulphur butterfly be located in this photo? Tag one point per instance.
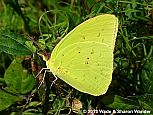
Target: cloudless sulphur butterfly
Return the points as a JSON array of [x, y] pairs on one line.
[[84, 57]]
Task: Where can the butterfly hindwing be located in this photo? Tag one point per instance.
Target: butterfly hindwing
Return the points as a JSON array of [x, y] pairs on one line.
[[84, 57]]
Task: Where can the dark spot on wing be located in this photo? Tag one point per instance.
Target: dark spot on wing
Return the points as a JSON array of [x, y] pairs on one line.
[[79, 52], [62, 54], [98, 64], [59, 70], [100, 55], [102, 40], [86, 62], [98, 35], [92, 52], [83, 37], [101, 72], [95, 78], [66, 71], [87, 57], [78, 47]]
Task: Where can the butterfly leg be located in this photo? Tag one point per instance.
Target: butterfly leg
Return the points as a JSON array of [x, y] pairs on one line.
[[41, 71], [46, 70], [53, 81]]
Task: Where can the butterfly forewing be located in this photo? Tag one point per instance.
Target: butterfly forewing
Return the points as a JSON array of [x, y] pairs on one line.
[[84, 57]]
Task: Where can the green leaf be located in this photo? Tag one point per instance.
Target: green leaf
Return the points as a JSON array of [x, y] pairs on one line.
[[14, 44], [146, 102], [147, 77], [145, 106], [98, 7], [27, 112], [7, 99], [18, 79], [90, 3], [123, 103]]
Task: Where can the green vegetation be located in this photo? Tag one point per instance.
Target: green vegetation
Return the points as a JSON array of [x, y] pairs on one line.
[[27, 26]]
